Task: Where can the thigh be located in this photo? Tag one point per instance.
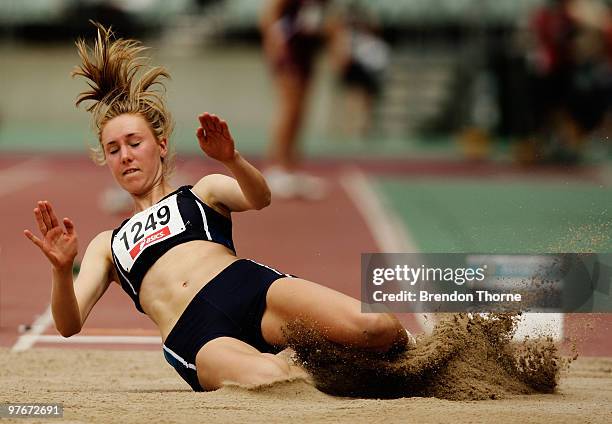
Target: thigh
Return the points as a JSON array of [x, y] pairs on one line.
[[337, 315], [226, 359]]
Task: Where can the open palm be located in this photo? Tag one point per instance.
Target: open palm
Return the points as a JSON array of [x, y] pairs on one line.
[[58, 244], [214, 138]]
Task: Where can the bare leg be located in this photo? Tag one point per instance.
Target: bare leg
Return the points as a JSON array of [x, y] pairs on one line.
[[226, 359], [337, 315], [292, 91]]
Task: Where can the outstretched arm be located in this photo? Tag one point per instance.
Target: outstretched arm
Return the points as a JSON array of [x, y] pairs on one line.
[[71, 303], [248, 190]]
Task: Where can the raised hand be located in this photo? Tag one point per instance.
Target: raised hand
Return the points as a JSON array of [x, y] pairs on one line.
[[58, 244], [214, 138]]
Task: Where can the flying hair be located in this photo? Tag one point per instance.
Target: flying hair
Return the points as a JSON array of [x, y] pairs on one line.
[[121, 81]]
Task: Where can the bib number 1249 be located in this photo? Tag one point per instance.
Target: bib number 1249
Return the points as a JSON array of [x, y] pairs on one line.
[[160, 222], [138, 229]]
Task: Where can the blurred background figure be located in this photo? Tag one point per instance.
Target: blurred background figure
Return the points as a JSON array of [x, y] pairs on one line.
[[360, 57], [570, 62], [482, 72], [292, 32]]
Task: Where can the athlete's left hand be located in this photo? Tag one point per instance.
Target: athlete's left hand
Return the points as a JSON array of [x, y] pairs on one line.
[[214, 138]]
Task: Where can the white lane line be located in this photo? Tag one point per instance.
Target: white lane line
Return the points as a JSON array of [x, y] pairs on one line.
[[388, 230], [392, 236], [21, 175], [27, 340], [386, 227], [35, 335], [50, 338]]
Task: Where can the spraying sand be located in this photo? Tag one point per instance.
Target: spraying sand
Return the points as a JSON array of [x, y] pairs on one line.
[[465, 358]]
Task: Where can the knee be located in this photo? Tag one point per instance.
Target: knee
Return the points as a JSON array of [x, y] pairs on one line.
[[380, 326], [251, 369], [378, 330], [268, 370]]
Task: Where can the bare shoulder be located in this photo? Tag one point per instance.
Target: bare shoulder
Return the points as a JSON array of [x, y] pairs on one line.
[[207, 190], [101, 244], [103, 237], [97, 263]]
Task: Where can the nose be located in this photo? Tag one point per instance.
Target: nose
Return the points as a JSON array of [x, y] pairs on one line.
[[126, 154]]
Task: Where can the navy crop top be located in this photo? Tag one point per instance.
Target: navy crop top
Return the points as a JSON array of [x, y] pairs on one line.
[[177, 218]]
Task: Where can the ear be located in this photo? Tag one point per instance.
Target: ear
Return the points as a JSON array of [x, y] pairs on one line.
[[163, 147]]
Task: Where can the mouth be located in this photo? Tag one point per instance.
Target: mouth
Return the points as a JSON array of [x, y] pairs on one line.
[[130, 171]]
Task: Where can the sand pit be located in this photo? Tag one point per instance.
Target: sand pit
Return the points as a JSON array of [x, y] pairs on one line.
[[123, 386], [488, 378]]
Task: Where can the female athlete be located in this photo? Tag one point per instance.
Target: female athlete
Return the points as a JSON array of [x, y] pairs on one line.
[[220, 317]]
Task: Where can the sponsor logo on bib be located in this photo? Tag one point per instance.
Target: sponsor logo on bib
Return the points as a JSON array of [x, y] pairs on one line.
[[156, 236]]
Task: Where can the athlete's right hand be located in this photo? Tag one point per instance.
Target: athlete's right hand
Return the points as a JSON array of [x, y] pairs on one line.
[[58, 244]]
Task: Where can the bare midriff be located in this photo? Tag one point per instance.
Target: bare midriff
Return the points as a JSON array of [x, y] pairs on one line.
[[175, 278]]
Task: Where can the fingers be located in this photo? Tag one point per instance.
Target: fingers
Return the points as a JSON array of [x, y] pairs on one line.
[[217, 123], [202, 131], [54, 221], [224, 129], [33, 238], [201, 118], [69, 226], [204, 118], [211, 123], [39, 220], [45, 217], [48, 217], [200, 134]]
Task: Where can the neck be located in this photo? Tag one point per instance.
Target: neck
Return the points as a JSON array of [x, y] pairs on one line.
[[144, 200]]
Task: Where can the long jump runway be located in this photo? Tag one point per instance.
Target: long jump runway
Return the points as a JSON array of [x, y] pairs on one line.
[[376, 206], [320, 241]]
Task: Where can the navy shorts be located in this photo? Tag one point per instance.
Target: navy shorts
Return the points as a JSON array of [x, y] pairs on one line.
[[232, 304]]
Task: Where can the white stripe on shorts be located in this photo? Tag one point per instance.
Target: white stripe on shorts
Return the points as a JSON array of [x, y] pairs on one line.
[[178, 358], [270, 268]]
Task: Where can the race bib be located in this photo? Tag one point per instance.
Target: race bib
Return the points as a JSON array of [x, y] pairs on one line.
[[153, 225]]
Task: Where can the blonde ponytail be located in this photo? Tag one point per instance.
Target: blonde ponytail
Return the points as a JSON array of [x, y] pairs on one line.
[[122, 82]]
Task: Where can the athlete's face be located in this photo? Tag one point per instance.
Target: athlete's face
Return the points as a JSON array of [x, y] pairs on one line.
[[132, 152]]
